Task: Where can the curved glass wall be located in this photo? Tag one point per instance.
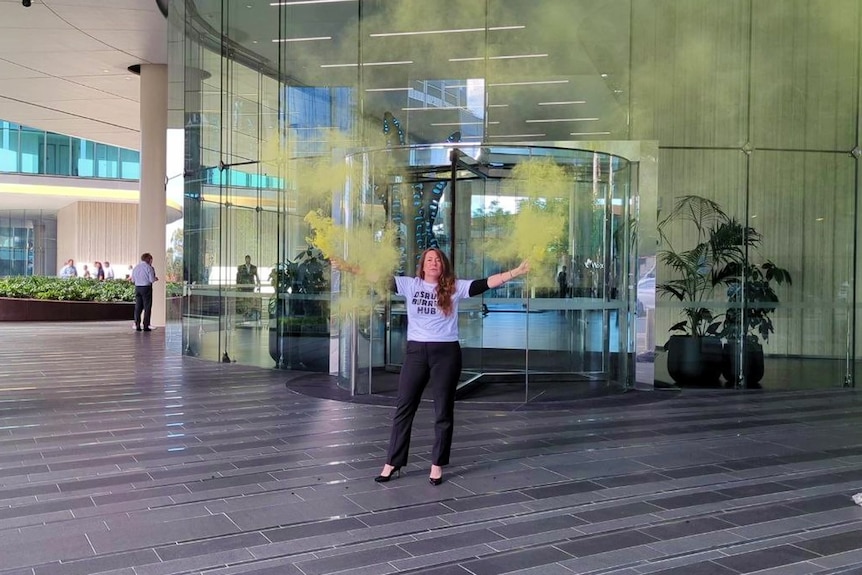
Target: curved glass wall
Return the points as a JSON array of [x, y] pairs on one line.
[[707, 99], [566, 323]]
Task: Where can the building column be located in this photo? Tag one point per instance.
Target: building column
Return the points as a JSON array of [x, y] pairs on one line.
[[153, 199]]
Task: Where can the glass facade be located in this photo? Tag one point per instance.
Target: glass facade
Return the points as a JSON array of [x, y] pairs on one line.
[[26, 150], [727, 239], [28, 242]]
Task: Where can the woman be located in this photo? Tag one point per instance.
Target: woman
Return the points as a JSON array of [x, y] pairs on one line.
[[433, 355], [100, 271]]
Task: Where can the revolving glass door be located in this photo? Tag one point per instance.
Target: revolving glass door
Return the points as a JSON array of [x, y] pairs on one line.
[[562, 332]]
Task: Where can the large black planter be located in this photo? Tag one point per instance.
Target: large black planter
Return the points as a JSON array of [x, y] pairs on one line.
[[752, 362], [694, 361]]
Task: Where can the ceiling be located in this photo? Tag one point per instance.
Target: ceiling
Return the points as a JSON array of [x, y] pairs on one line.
[[557, 69], [64, 65]]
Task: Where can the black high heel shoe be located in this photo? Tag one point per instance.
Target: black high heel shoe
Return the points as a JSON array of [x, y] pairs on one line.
[[396, 472], [435, 480]]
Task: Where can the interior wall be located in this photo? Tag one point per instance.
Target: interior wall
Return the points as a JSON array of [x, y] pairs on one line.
[[754, 104], [98, 231]]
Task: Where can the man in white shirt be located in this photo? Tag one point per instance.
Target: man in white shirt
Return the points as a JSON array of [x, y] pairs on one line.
[[144, 276], [69, 270], [109, 271]]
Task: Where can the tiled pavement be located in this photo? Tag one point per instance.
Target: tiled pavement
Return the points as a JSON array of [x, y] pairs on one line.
[[119, 458]]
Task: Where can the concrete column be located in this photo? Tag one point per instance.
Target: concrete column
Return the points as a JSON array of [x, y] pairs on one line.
[[151, 213]]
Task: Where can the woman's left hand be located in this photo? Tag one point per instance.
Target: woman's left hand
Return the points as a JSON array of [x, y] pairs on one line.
[[522, 269]]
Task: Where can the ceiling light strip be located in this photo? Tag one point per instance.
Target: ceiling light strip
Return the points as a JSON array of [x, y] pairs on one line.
[[512, 57], [387, 89], [309, 39], [562, 103], [555, 120], [354, 65], [450, 31], [301, 2], [519, 136], [461, 123], [589, 133], [429, 108], [533, 83]]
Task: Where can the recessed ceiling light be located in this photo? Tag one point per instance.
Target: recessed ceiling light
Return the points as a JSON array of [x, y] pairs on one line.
[[387, 89], [519, 136], [307, 39], [498, 105], [512, 57], [604, 75], [354, 65], [430, 109], [300, 2], [449, 31], [531, 83], [562, 103], [550, 121], [461, 123], [589, 133]]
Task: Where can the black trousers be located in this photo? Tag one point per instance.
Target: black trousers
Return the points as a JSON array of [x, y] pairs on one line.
[[437, 363], [143, 304]]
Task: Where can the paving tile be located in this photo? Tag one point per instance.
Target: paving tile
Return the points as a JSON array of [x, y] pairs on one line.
[[450, 542], [352, 560], [690, 500], [134, 535], [817, 504], [617, 512], [484, 501], [753, 490], [766, 558], [633, 479], [833, 544], [209, 546], [99, 564], [507, 562], [703, 568], [686, 528], [523, 528], [562, 489], [759, 514], [584, 546], [313, 529]]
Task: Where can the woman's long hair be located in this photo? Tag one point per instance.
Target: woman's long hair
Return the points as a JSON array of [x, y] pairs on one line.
[[446, 283]]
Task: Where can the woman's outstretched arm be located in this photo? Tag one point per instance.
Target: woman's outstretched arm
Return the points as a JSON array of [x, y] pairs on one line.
[[481, 286], [499, 279]]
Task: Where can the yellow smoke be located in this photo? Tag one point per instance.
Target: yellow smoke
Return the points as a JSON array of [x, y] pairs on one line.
[[541, 220], [369, 253]]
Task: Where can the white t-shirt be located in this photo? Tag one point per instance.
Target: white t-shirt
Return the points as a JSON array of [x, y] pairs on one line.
[[425, 321]]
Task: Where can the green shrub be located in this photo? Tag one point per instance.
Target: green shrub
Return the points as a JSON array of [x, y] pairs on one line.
[[73, 289]]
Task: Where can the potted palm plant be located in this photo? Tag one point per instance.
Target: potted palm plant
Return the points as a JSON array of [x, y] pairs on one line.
[[717, 243], [746, 325]]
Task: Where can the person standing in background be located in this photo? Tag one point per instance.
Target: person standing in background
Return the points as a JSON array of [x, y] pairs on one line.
[[144, 276], [86, 273], [69, 270], [109, 271], [100, 271], [563, 283]]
